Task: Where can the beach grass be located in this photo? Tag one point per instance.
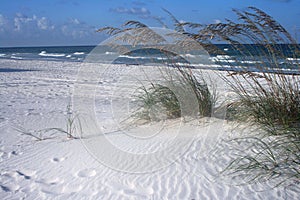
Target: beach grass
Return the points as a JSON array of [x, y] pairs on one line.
[[155, 100], [172, 97], [260, 159], [267, 95], [73, 128]]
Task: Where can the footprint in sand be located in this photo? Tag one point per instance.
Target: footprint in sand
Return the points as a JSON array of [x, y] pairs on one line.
[[127, 191], [2, 155], [9, 187], [5, 188], [14, 153], [51, 186], [9, 181], [52, 190], [26, 174], [51, 181], [140, 191], [86, 173], [72, 188], [3, 122], [56, 160]]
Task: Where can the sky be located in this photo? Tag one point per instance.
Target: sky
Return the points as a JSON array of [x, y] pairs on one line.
[[74, 22]]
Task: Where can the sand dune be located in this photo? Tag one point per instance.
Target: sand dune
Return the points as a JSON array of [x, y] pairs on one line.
[[176, 159]]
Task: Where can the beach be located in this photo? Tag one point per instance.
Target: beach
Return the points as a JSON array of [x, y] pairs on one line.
[[35, 96]]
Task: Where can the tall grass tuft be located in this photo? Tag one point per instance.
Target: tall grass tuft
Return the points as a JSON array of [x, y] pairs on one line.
[[275, 159], [73, 127], [267, 92], [184, 84], [157, 102], [178, 89]]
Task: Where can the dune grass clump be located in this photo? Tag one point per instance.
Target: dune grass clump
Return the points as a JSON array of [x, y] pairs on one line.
[[165, 101], [271, 100], [206, 96], [73, 127], [265, 78], [169, 100], [275, 159], [157, 102], [267, 95], [265, 74]]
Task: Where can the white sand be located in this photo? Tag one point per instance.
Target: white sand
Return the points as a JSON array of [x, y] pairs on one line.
[[62, 168]]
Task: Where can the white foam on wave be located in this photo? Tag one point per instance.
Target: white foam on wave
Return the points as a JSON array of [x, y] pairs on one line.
[[109, 53], [188, 55], [16, 57], [228, 59], [133, 57], [147, 57], [2, 54], [223, 56], [44, 53], [159, 58], [79, 53], [221, 59], [200, 65], [250, 61], [293, 59]]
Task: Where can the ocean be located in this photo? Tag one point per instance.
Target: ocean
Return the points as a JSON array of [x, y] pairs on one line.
[[252, 58], [60, 53]]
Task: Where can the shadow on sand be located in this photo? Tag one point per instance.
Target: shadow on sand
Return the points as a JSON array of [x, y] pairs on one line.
[[15, 70]]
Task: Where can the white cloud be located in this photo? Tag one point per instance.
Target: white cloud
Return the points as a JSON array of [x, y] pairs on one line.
[[75, 29], [36, 30], [75, 21], [36, 24], [139, 11], [44, 24], [2, 22], [217, 21], [23, 23]]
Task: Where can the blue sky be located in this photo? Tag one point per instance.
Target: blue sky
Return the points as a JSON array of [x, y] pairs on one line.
[[73, 22]]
